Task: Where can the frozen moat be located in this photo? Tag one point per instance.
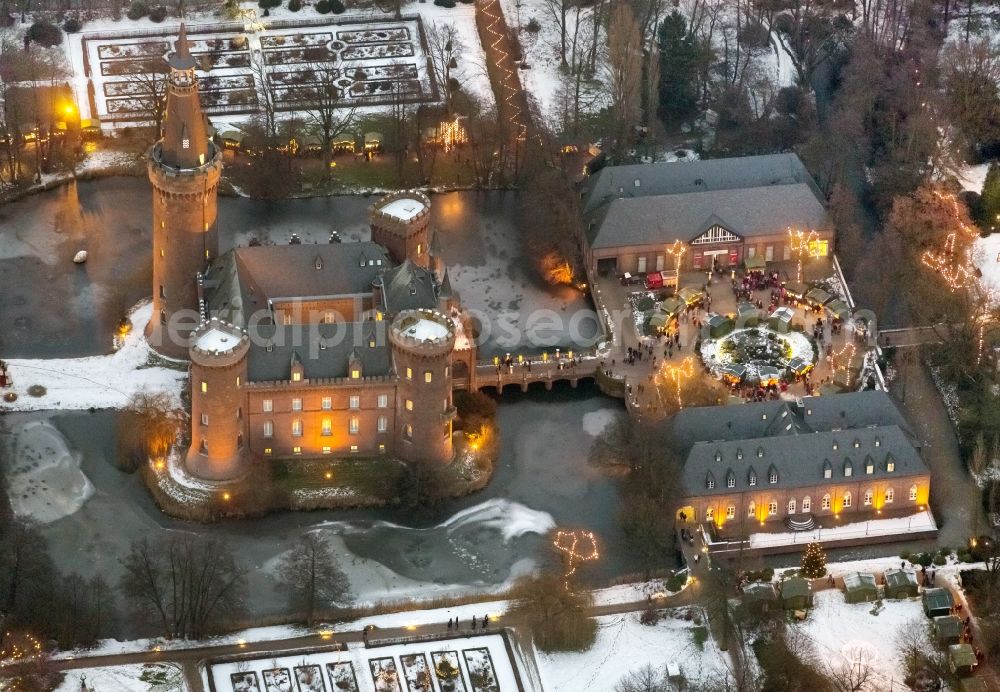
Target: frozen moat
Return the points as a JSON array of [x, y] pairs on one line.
[[542, 480]]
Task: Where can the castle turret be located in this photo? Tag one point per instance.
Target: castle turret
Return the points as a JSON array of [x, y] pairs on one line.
[[218, 355], [399, 223], [422, 343], [184, 168]]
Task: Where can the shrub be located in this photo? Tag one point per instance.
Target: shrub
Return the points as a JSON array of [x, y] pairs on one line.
[[445, 3], [265, 4], [940, 560], [533, 26], [337, 6], [294, 5], [137, 10], [323, 6], [45, 34], [674, 583], [906, 555], [924, 559], [650, 616], [158, 14], [72, 25]]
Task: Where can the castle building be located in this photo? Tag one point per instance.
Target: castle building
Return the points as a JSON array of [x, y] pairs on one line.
[[299, 351], [184, 169]]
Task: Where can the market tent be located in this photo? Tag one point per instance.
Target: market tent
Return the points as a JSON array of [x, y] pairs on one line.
[[817, 296], [733, 373], [768, 375], [947, 629], [937, 602], [860, 587], [690, 295], [660, 319], [760, 597], [838, 308], [796, 289], [799, 366], [755, 263], [900, 583], [718, 325], [962, 659], [747, 315], [781, 319], [672, 306], [796, 593]]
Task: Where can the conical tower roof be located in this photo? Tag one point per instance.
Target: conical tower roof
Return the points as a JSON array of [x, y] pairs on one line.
[[445, 291], [185, 142]]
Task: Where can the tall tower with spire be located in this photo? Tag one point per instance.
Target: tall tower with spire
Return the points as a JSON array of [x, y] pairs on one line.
[[184, 168]]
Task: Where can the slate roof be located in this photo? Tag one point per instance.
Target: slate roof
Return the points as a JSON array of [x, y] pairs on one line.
[[408, 287], [271, 354], [819, 413], [693, 176], [895, 578], [747, 212], [240, 282]]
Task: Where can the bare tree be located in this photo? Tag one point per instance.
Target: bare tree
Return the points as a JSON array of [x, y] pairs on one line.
[[327, 114], [147, 86], [147, 428], [623, 76], [645, 679], [312, 576], [446, 48], [266, 100], [189, 585], [559, 11]]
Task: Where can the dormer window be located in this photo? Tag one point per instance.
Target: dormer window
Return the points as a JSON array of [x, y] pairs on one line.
[[772, 475], [848, 468], [730, 480], [318, 263], [763, 416], [827, 469], [739, 454], [890, 464], [718, 455], [637, 182], [869, 466], [857, 443], [710, 481], [760, 452], [878, 442], [835, 445], [752, 477]]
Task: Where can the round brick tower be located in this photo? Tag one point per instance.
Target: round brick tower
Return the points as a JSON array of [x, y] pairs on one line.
[[422, 342], [218, 355], [399, 223], [184, 168]]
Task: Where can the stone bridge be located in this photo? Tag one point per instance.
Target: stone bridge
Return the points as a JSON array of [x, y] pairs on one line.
[[528, 372]]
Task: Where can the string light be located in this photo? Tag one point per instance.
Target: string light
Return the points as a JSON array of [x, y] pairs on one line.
[[677, 374], [452, 133], [491, 9], [577, 546], [677, 251], [848, 350], [801, 243]]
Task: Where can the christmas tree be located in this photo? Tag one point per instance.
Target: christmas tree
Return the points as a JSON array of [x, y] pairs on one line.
[[813, 561]]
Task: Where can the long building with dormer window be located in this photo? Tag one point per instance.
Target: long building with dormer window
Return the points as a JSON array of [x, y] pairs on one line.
[[852, 455]]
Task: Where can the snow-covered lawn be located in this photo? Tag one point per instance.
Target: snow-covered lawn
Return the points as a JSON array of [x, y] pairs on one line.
[[129, 678], [923, 521], [842, 633], [624, 644], [95, 381], [375, 670]]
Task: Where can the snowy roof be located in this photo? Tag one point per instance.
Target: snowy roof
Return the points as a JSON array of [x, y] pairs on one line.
[[404, 208], [900, 577], [426, 330], [859, 580], [215, 339]]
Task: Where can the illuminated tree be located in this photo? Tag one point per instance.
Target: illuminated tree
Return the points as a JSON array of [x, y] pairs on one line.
[[813, 561]]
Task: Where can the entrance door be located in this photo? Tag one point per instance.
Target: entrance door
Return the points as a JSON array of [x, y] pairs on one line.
[[641, 269]]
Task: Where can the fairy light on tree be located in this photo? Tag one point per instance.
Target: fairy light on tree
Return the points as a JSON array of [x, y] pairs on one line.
[[677, 251], [802, 244], [842, 359], [576, 547], [813, 561], [677, 374], [451, 133]]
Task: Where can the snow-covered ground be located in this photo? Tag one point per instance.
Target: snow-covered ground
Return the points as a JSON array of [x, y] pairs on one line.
[[470, 70], [972, 177], [851, 633], [96, 381], [44, 480], [986, 256], [360, 665], [129, 678], [624, 644], [923, 521]]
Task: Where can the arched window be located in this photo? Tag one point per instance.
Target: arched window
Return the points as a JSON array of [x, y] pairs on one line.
[[807, 504], [772, 509], [730, 511], [847, 500], [752, 509], [709, 513], [890, 495], [826, 501], [791, 506], [913, 493], [868, 497]]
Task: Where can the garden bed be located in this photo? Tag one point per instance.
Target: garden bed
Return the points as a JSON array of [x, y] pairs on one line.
[[386, 35], [310, 679], [447, 672], [342, 677], [277, 41], [385, 677], [418, 676], [482, 675], [377, 51], [120, 51], [294, 56], [277, 680]]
